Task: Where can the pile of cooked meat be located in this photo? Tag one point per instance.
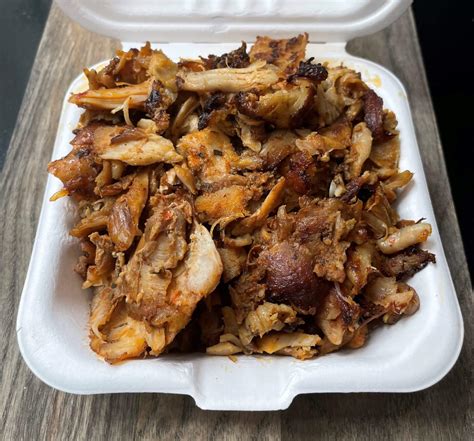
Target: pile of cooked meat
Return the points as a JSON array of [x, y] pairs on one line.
[[238, 203]]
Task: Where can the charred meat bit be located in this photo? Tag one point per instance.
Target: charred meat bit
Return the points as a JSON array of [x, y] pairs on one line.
[[153, 101], [285, 108], [236, 58], [214, 102], [373, 114], [78, 169], [308, 69], [406, 263], [358, 187]]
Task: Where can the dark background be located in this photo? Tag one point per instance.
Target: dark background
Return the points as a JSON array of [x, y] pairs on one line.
[[446, 36]]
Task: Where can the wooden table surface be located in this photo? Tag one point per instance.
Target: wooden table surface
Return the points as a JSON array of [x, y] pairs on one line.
[[30, 410]]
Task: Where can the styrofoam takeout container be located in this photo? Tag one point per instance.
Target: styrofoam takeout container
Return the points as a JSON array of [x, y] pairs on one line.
[[52, 319]]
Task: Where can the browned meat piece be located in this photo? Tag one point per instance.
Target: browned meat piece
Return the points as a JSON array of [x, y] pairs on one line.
[[119, 336], [213, 161], [94, 218], [286, 54], [251, 132], [373, 114], [307, 69], [87, 258], [258, 217], [361, 146], [199, 150], [285, 108], [235, 58], [404, 237], [278, 146], [127, 67], [125, 215], [340, 94], [359, 267], [233, 261], [110, 99], [147, 276], [215, 101], [267, 317], [247, 291], [134, 146], [162, 283], [404, 264], [157, 103], [153, 101], [103, 78], [300, 173], [290, 278], [78, 169], [322, 227], [356, 187], [336, 136], [224, 203], [385, 156], [117, 187], [100, 273]]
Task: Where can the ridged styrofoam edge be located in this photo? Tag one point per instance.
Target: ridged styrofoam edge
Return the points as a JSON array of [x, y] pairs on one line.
[[412, 355], [233, 20]]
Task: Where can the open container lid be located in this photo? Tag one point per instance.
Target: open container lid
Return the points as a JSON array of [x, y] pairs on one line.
[[223, 21]]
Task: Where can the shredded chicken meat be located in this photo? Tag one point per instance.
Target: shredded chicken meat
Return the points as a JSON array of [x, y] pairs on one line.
[[238, 203]]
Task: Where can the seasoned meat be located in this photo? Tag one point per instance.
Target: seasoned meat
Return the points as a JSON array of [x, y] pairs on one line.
[[290, 278], [286, 54], [227, 202], [247, 291], [235, 58], [373, 114], [233, 261], [134, 146], [258, 217], [100, 273], [267, 317], [322, 227], [361, 145], [228, 79], [307, 69], [301, 173], [135, 96], [336, 136], [285, 107], [78, 169], [126, 211], [278, 146], [214, 102], [337, 317], [406, 263], [241, 203], [95, 217]]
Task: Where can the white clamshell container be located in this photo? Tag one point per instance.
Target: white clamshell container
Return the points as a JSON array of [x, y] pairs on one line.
[[52, 319]]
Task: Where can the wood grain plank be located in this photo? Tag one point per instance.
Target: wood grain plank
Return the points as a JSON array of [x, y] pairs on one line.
[[31, 410]]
